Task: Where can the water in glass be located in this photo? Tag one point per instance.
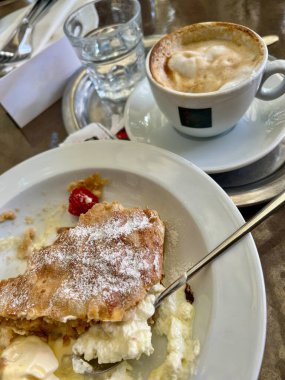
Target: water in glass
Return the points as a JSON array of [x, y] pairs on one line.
[[114, 57]]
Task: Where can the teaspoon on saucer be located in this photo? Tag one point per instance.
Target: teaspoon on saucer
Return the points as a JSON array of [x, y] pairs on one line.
[[228, 242], [270, 39]]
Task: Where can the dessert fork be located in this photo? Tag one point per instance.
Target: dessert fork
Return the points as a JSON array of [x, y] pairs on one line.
[[216, 252], [19, 46]]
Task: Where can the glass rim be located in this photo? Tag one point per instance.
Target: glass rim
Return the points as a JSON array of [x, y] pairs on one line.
[[69, 35]]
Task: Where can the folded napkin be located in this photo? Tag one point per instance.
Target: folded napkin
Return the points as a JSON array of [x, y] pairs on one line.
[[47, 30], [35, 84], [97, 131]]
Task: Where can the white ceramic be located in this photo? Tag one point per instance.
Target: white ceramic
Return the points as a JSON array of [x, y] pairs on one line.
[[218, 110], [258, 132], [229, 294]]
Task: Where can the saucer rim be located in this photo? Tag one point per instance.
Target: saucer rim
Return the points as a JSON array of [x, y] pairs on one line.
[[208, 169]]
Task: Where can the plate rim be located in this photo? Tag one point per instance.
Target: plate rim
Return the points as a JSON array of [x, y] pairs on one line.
[[235, 215]]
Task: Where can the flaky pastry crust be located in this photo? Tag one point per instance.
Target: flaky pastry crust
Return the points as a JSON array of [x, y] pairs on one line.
[[95, 271]]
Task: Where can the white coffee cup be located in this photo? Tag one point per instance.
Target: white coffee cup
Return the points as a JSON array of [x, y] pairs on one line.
[[207, 114]]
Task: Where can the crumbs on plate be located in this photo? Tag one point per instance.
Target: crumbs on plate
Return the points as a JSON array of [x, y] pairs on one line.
[[7, 215], [95, 183], [25, 247]]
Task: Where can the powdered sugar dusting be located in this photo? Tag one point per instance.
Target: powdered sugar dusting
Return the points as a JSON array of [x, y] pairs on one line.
[[113, 228], [111, 261]]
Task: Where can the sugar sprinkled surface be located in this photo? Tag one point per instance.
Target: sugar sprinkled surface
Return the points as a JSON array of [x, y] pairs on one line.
[[109, 261]]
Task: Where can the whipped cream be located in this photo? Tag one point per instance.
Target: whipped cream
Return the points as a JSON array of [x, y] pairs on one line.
[[113, 341], [29, 357], [174, 320], [131, 338]]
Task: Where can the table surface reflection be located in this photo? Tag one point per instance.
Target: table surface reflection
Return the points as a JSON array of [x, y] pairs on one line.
[[162, 16]]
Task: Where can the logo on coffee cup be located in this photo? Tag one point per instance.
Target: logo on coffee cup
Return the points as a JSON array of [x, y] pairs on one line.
[[195, 118]]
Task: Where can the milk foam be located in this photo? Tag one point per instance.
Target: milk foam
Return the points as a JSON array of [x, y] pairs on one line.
[[209, 65]]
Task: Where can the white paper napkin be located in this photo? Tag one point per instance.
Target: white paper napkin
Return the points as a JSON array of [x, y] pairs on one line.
[[47, 30], [96, 131], [35, 84]]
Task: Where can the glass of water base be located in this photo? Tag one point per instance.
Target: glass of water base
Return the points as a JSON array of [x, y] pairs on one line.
[[107, 37]]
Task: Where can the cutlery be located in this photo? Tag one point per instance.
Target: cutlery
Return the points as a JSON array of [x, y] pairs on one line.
[[19, 46], [270, 39], [228, 242]]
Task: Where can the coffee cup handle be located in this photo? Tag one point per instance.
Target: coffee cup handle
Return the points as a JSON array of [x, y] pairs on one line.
[[272, 67]]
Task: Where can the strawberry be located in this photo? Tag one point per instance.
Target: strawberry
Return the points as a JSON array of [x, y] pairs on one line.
[[81, 200]]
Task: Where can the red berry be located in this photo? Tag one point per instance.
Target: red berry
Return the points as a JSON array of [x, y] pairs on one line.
[[122, 135], [81, 200]]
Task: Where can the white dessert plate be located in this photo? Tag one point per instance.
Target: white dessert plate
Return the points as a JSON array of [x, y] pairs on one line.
[[260, 130], [229, 295]]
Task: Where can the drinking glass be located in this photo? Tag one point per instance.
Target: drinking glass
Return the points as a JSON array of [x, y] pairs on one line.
[[107, 37]]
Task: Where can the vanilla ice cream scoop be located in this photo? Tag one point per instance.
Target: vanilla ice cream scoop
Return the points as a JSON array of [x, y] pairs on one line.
[[29, 357]]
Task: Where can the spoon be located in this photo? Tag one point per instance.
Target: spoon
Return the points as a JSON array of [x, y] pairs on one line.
[[270, 39], [228, 242]]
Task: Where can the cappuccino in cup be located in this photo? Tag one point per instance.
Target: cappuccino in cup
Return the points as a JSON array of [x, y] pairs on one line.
[[204, 76], [204, 66]]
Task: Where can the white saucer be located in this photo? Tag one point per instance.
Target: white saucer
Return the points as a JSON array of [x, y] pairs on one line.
[[260, 130]]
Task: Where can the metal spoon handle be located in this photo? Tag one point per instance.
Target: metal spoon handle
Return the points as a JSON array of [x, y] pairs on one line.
[[37, 11], [243, 230]]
